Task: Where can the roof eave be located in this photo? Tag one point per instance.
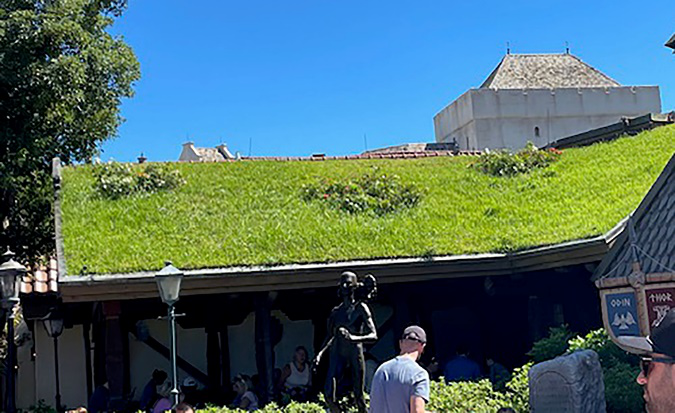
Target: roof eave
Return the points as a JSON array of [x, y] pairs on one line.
[[318, 275]]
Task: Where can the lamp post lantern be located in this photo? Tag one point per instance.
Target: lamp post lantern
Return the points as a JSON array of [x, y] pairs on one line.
[[54, 327], [168, 282], [10, 277]]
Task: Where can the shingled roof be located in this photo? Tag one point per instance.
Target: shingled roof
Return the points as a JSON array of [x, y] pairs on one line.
[[671, 42], [652, 233], [543, 71]]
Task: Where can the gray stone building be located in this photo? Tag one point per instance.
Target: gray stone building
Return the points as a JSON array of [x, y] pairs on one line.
[[539, 98]]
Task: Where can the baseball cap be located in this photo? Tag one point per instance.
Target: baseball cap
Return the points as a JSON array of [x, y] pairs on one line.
[[189, 382], [661, 340], [415, 333]]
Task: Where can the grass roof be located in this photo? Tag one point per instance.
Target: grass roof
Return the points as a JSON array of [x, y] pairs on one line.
[[252, 212]]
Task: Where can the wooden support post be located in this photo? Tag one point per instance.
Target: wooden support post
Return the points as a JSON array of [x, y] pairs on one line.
[[87, 358], [402, 315], [264, 354], [213, 358], [225, 371], [114, 350]]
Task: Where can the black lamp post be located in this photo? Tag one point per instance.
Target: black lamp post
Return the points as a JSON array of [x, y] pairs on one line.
[[10, 277], [168, 282], [54, 327]]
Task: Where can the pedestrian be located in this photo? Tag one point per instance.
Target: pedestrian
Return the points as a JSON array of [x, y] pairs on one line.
[[461, 367], [246, 399], [400, 385], [657, 362], [497, 373], [296, 378], [149, 395], [100, 398], [184, 408]]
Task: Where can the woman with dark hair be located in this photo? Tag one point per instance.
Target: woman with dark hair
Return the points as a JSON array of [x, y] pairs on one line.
[[296, 377], [149, 395]]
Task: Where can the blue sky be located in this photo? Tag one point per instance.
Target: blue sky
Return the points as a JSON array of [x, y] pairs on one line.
[[297, 77]]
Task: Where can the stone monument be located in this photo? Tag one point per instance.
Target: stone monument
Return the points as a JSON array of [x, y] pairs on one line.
[[350, 324], [571, 383]]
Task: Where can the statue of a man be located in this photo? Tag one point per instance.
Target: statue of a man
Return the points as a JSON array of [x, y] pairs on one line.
[[350, 325]]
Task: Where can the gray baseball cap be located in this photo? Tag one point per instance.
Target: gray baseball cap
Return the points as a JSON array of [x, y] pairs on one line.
[[415, 333]]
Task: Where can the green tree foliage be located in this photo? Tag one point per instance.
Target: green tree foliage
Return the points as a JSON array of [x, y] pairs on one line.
[[62, 76]]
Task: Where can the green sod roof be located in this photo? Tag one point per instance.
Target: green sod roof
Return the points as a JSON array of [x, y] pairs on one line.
[[253, 213]]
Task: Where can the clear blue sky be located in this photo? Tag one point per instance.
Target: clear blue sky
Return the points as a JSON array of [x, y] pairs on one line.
[[296, 77]]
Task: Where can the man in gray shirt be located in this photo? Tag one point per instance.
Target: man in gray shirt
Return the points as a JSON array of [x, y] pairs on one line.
[[401, 385]]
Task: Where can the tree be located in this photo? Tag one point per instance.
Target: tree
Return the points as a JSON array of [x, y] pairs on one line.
[[62, 78]]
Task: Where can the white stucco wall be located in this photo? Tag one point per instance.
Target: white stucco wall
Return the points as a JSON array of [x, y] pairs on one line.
[[191, 345], [38, 377], [242, 343], [488, 118], [36, 380]]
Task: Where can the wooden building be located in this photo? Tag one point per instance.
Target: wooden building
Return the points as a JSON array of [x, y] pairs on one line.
[[256, 295]]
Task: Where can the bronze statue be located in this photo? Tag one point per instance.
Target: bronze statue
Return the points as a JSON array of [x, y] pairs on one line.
[[350, 325]]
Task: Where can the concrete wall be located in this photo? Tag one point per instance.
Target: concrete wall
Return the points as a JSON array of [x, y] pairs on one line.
[[488, 118]]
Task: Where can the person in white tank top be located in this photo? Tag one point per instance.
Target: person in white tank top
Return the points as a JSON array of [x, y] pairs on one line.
[[296, 377]]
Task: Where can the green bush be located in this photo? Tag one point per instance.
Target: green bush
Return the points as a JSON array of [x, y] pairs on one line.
[[480, 396], [505, 163], [114, 180], [556, 344], [374, 192]]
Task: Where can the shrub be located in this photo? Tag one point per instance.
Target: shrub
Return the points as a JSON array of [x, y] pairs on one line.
[[556, 344], [373, 192], [115, 180], [505, 163], [480, 396]]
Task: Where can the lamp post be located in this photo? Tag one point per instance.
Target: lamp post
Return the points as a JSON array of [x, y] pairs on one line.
[[168, 282], [54, 327], [10, 277]]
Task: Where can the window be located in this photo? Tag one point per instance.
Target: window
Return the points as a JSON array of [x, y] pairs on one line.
[[536, 131]]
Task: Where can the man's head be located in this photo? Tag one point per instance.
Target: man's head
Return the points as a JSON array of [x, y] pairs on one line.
[[184, 408], [413, 340], [348, 283], [657, 376]]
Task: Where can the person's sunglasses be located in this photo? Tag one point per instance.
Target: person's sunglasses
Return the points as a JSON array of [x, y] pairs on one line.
[[646, 363]]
